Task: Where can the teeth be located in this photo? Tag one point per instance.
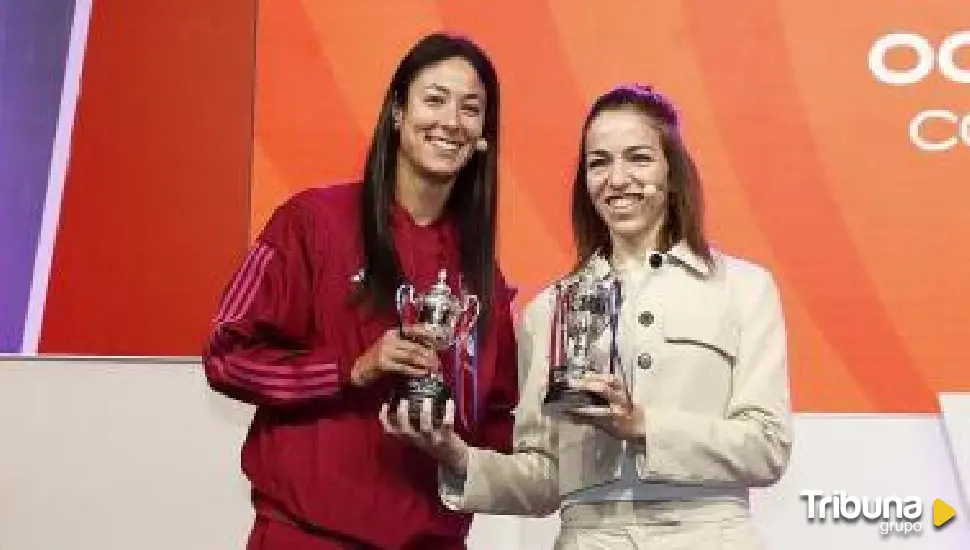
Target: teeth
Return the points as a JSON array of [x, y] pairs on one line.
[[625, 201], [444, 143]]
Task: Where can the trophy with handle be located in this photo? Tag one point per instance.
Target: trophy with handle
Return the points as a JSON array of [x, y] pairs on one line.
[[585, 308], [448, 319]]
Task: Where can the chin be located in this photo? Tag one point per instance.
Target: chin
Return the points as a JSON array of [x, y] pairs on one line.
[[441, 170], [627, 229]]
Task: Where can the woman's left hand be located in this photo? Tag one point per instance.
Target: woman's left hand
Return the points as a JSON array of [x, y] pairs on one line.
[[620, 416]]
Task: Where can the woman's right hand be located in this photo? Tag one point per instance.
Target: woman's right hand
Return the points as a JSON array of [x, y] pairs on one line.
[[394, 353]]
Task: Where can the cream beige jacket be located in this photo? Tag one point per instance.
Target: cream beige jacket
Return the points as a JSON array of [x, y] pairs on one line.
[[706, 353]]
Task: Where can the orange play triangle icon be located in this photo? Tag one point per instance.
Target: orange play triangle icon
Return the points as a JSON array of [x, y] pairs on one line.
[[942, 512]]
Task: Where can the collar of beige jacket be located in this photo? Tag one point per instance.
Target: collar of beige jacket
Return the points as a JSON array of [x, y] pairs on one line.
[[683, 255], [680, 254]]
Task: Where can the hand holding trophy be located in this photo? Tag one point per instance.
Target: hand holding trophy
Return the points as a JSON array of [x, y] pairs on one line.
[[448, 320], [585, 308]]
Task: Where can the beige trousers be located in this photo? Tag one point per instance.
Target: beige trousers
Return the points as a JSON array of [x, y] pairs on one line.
[[657, 526]]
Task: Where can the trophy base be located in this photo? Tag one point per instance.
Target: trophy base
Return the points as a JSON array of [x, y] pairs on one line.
[[561, 398], [415, 391]]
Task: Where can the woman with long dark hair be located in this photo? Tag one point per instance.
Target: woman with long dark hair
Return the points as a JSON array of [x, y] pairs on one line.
[[309, 332], [662, 451]]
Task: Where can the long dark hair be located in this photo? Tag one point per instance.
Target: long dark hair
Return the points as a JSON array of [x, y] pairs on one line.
[[685, 204], [474, 197]]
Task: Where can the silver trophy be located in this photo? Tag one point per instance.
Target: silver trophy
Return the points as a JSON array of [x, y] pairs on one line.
[[585, 308], [449, 319]]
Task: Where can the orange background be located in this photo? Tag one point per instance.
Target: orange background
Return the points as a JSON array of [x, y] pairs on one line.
[[807, 165]]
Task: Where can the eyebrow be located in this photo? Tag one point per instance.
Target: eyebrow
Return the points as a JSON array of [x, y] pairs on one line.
[[601, 152], [446, 90]]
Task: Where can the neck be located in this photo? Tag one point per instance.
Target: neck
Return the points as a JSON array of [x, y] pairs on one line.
[[422, 197], [634, 248]]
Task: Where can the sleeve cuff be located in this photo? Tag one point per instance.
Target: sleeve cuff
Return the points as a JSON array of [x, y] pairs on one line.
[[455, 489], [451, 488]]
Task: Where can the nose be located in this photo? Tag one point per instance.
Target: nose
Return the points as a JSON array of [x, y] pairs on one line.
[[616, 177], [449, 116]]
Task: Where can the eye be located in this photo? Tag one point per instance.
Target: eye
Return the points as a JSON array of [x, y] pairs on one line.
[[472, 109], [641, 158], [434, 99], [596, 162]]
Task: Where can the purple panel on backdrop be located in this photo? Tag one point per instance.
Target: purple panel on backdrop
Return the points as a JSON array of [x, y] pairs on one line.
[[34, 38]]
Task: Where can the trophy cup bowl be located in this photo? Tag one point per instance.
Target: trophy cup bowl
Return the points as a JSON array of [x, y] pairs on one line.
[[448, 319], [584, 311]]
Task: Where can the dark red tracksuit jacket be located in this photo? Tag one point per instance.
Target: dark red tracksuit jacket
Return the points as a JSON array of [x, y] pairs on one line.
[[286, 335]]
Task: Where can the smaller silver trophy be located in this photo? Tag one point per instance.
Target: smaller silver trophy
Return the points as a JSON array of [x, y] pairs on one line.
[[585, 308], [449, 319]]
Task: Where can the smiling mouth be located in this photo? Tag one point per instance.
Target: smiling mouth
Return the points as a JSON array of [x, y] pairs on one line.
[[444, 144], [625, 201]]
